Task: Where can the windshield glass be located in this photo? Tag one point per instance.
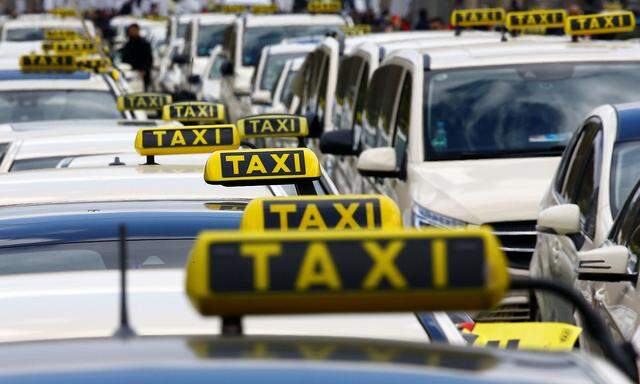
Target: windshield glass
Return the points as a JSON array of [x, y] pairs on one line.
[[29, 34], [182, 30], [524, 110], [625, 173], [273, 68], [23, 106], [257, 38], [214, 72], [208, 37], [286, 88]]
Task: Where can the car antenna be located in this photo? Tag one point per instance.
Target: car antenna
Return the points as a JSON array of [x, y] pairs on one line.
[[124, 330]]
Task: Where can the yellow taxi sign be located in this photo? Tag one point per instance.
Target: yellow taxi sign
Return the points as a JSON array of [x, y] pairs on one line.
[[327, 6], [39, 62], [480, 17], [302, 213], [232, 8], [62, 34], [545, 18], [358, 29], [262, 166], [185, 140], [264, 9], [346, 271], [94, 64], [542, 336], [64, 12], [603, 23], [194, 111], [273, 126], [74, 47], [143, 101]]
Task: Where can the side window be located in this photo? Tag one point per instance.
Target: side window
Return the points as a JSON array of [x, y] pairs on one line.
[[634, 247], [321, 105], [372, 105], [188, 38], [567, 155], [360, 97], [627, 219], [401, 135], [391, 87], [583, 176]]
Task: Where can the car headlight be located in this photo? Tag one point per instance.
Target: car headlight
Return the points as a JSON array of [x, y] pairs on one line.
[[422, 217]]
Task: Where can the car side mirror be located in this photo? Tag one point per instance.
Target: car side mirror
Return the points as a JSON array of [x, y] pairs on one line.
[[180, 59], [194, 79], [561, 219], [261, 97], [315, 127], [378, 162], [339, 142], [226, 68], [606, 264]]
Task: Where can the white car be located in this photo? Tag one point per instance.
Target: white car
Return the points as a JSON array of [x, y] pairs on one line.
[[272, 60], [284, 99], [54, 144], [22, 36], [596, 175], [450, 158], [247, 36]]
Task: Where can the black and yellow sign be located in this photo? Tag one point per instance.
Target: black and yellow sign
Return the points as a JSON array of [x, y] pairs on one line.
[[481, 17], [190, 111], [346, 271], [62, 34], [35, 62], [358, 29], [304, 213], [182, 140], [603, 23], [328, 6], [273, 126], [143, 101], [262, 166], [231, 8], [64, 12], [94, 64], [541, 336], [264, 9], [541, 18], [72, 47]]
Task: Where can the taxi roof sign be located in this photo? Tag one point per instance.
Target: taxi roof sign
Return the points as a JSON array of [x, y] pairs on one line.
[[64, 12], [194, 111], [346, 271], [40, 62], [326, 6], [262, 166], [143, 101], [344, 212], [264, 9], [186, 140], [273, 126], [546, 18], [94, 64], [480, 17], [75, 47], [62, 34], [602, 23]]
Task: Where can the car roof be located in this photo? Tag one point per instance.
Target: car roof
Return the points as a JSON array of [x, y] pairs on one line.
[[117, 183], [291, 19], [17, 80], [528, 51], [83, 125], [289, 48], [283, 359], [215, 18], [43, 22]]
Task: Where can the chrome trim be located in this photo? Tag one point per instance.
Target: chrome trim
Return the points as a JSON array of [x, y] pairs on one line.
[[515, 233], [523, 250]]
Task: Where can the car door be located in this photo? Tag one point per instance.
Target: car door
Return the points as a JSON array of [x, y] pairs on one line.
[[393, 130], [580, 187]]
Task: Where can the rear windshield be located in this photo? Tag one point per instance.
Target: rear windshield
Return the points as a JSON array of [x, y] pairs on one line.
[[208, 37], [25, 106], [273, 68]]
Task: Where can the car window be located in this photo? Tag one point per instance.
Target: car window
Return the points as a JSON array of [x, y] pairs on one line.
[[634, 247], [625, 172], [583, 178], [214, 72], [567, 155], [379, 110], [273, 68], [317, 74], [208, 37], [360, 98], [287, 93], [321, 107], [401, 135]]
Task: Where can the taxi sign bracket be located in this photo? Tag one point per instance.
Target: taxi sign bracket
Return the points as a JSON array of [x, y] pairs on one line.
[[231, 326], [151, 160], [305, 188]]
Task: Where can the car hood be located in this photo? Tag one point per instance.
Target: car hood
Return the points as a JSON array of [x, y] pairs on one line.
[[483, 191], [85, 304]]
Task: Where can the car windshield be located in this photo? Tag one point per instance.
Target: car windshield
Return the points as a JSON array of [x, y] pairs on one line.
[[208, 37], [24, 106], [286, 88], [28, 34], [625, 173], [273, 68], [523, 110], [182, 30], [214, 72], [256, 38]]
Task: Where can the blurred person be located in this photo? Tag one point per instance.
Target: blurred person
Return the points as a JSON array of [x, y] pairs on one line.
[[137, 53], [423, 20]]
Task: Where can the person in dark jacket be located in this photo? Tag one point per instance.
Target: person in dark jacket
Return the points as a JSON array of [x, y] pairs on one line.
[[137, 53]]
